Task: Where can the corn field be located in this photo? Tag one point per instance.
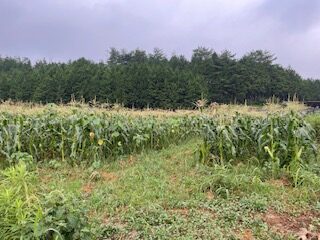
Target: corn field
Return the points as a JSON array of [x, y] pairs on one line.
[[89, 137], [279, 141]]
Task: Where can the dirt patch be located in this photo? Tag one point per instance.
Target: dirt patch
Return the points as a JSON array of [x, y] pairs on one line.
[[173, 179], [304, 234], [45, 179], [285, 224], [247, 235], [115, 222], [131, 160], [282, 182], [132, 235], [45, 176], [103, 175], [210, 195], [109, 177], [87, 189]]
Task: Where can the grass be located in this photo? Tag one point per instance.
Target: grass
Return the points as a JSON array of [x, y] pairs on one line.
[[167, 195]]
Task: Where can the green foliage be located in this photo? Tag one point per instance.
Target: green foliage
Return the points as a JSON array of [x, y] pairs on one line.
[[162, 195], [225, 180], [137, 79], [20, 210], [275, 141], [66, 217], [314, 120], [89, 137], [21, 158], [27, 214]]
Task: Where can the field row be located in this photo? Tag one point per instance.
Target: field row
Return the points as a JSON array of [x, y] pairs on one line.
[[82, 137]]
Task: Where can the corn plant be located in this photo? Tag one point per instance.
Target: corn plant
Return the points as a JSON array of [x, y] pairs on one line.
[[88, 137], [281, 141]]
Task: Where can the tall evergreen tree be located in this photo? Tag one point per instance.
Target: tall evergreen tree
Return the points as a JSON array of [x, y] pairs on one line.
[[139, 79]]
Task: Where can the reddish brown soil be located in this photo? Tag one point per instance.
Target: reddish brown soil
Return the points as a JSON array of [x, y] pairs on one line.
[[285, 224]]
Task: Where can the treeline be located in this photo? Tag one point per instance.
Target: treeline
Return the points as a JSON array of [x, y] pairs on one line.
[[138, 79]]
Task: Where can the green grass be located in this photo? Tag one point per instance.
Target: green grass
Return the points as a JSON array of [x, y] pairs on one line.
[[167, 195]]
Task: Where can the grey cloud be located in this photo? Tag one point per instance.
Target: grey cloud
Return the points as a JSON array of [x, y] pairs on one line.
[[293, 15], [60, 30]]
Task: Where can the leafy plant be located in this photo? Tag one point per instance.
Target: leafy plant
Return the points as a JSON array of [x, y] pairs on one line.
[[88, 137], [20, 210], [283, 141], [65, 216], [27, 214]]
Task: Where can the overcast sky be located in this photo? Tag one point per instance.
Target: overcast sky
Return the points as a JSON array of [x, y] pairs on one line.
[[59, 30]]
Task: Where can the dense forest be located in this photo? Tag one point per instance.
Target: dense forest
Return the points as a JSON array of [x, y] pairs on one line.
[[139, 79]]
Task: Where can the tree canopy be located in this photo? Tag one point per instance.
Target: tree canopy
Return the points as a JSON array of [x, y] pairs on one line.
[[140, 79]]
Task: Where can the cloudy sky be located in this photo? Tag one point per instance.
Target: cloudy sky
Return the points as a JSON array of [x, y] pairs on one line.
[[59, 30]]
